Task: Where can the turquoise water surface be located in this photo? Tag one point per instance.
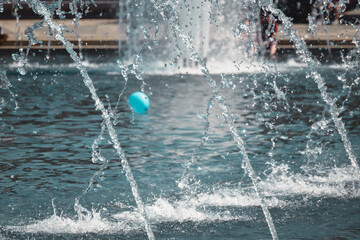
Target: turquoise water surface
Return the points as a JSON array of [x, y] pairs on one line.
[[307, 179]]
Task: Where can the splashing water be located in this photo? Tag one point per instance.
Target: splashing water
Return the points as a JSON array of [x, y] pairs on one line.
[[257, 113], [305, 55], [41, 9], [228, 117]]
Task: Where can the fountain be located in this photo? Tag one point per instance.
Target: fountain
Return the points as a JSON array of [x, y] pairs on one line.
[[235, 145]]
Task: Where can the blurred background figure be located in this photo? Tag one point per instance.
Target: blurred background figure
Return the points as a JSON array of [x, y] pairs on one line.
[[325, 11], [336, 8], [298, 10], [269, 28], [3, 36]]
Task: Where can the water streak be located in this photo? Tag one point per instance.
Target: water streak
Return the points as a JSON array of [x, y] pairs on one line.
[[40, 8], [169, 13], [305, 56], [5, 84], [184, 180]]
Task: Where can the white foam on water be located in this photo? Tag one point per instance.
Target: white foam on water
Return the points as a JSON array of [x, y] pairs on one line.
[[35, 66], [230, 197], [158, 67], [93, 224], [215, 67], [336, 182], [161, 210], [280, 187], [113, 73]]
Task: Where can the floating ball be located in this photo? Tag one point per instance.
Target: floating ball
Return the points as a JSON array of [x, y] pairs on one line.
[[139, 102]]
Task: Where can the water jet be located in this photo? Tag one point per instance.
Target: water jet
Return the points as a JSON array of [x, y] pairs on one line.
[[246, 146]]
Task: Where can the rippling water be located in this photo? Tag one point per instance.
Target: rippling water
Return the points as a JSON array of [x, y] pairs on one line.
[[306, 176]]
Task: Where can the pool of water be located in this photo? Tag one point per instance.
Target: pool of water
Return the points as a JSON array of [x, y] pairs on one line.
[[307, 179]]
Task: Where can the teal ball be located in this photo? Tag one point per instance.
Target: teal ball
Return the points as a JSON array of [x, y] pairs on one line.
[[139, 102]]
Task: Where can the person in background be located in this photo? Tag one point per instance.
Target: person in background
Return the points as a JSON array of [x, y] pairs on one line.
[[248, 38], [3, 37], [269, 28], [338, 7]]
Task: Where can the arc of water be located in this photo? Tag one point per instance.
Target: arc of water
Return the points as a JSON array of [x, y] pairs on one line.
[[5, 84], [120, 22], [184, 180], [305, 55], [169, 13], [18, 24], [39, 8], [96, 156], [78, 16]]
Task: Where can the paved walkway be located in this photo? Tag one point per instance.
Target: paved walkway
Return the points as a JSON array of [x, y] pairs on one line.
[[105, 34], [94, 33], [333, 36]]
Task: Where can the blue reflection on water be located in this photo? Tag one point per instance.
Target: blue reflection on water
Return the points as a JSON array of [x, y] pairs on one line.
[[46, 154]]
